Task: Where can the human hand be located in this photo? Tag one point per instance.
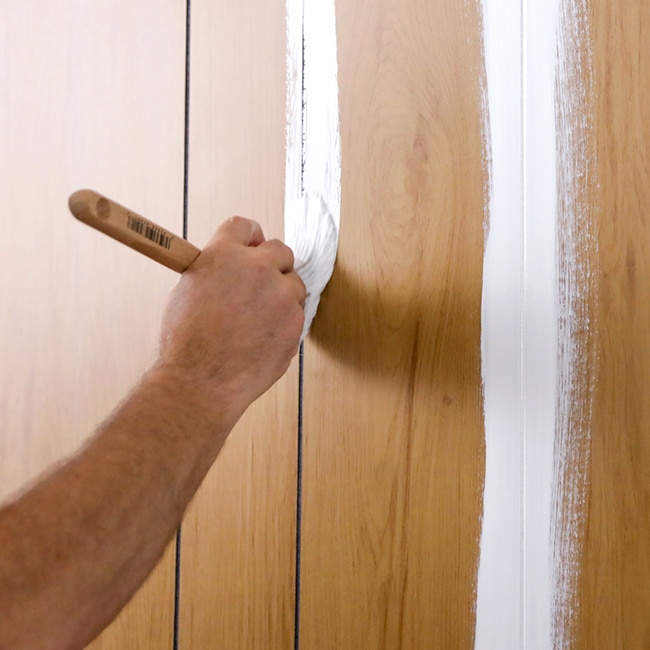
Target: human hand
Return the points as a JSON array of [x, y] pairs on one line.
[[234, 320]]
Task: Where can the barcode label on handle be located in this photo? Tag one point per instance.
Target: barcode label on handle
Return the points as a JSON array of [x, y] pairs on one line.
[[156, 235]]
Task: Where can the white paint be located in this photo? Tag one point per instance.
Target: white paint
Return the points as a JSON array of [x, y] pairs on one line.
[[519, 330], [313, 166], [540, 316], [499, 597]]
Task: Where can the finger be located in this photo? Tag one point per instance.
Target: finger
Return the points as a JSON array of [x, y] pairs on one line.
[[281, 254], [241, 230], [299, 287]]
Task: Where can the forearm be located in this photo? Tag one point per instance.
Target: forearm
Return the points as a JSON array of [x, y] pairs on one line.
[[76, 546], [108, 513]]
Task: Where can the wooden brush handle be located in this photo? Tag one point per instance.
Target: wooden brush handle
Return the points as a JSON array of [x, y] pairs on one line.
[[133, 230]]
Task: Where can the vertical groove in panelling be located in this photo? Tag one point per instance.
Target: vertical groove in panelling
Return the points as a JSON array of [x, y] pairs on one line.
[[578, 299], [177, 588], [186, 178], [301, 382], [393, 435], [186, 121], [613, 594]]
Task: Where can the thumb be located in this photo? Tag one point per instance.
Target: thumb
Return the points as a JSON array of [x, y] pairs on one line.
[[241, 230]]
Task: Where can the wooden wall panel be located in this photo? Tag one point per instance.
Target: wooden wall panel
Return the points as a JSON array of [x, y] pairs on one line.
[[613, 607], [237, 586], [393, 446], [91, 95]]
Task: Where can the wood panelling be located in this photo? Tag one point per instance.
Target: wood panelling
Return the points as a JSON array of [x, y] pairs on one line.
[[92, 95], [613, 607], [394, 446], [237, 587], [393, 466]]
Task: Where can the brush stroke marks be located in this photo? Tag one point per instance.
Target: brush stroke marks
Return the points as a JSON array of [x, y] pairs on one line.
[[614, 581], [577, 297], [313, 165]]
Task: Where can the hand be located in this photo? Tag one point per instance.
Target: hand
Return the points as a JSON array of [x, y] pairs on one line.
[[233, 322]]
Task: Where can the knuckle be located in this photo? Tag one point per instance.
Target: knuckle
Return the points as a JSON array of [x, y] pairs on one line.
[[235, 220], [290, 254], [284, 250]]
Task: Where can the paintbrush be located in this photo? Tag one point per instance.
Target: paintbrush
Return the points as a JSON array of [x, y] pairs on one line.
[[132, 229], [314, 256], [313, 164]]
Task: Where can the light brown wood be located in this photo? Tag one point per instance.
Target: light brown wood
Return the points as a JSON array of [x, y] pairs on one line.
[[613, 598], [394, 446], [237, 585], [92, 95], [132, 229]]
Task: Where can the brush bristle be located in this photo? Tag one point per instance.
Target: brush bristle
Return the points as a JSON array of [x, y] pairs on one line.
[[312, 233]]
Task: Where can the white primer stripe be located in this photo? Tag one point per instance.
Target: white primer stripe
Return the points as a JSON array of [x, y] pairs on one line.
[[498, 608], [313, 166], [540, 315], [519, 330]]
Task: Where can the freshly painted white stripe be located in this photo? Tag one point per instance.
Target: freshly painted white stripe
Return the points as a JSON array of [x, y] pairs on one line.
[[539, 343], [499, 608], [519, 327], [313, 166]]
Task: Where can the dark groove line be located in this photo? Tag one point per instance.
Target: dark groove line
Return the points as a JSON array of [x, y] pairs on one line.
[[301, 365], [186, 157], [301, 369], [303, 109], [186, 134], [177, 589]]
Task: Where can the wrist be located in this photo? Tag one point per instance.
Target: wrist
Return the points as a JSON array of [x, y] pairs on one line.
[[210, 402]]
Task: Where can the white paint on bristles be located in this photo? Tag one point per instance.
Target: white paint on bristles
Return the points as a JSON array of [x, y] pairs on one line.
[[313, 166]]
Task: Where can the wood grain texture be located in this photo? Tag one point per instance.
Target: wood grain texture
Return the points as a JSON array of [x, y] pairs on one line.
[[614, 588], [237, 584], [91, 95], [394, 445]]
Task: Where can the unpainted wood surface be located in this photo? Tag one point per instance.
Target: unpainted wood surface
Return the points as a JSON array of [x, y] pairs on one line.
[[92, 95], [613, 608], [394, 446], [237, 585]]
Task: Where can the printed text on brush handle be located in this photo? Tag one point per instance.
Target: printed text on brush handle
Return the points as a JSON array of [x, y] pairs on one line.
[[152, 233]]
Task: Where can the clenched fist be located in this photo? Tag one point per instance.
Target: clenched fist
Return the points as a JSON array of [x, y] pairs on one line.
[[233, 322]]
